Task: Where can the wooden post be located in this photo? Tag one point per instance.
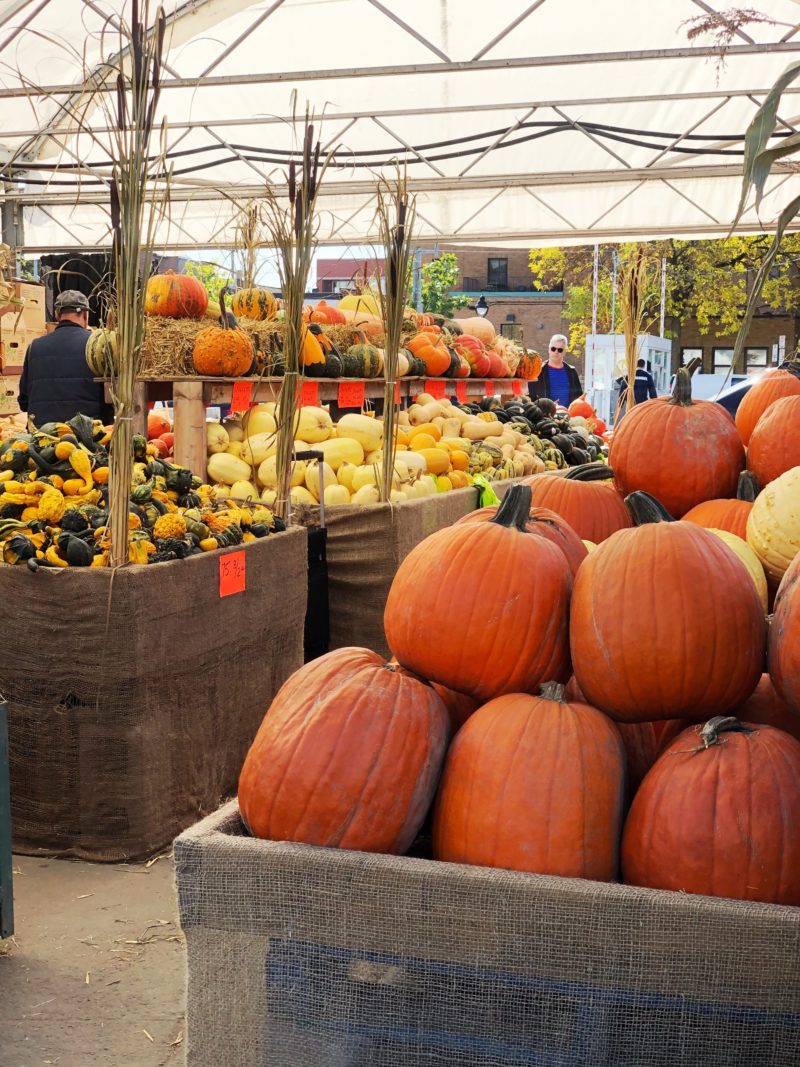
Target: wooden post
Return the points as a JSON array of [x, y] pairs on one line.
[[140, 408], [6, 868], [190, 426]]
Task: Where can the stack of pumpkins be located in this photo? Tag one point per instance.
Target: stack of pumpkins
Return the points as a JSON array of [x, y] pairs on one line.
[[671, 760]]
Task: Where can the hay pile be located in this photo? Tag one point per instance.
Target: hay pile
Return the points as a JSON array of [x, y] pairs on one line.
[[168, 344]]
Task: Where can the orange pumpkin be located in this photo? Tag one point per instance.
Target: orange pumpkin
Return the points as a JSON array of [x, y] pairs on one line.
[[459, 706], [677, 591], [324, 313], [581, 406], [175, 296], [529, 366], [586, 498], [533, 784], [222, 351], [775, 442], [716, 816], [541, 523], [773, 386], [432, 353], [730, 515], [338, 731], [784, 638], [481, 562], [157, 424], [764, 705], [683, 451]]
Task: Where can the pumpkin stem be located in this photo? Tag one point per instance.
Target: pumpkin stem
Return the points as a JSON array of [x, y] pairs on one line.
[[552, 691], [722, 724], [747, 487], [645, 509], [590, 472], [515, 508], [682, 390], [222, 308], [792, 365]]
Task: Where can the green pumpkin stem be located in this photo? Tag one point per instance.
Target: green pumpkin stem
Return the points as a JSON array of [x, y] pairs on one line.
[[515, 508], [747, 487], [722, 724], [682, 390], [222, 308], [645, 508]]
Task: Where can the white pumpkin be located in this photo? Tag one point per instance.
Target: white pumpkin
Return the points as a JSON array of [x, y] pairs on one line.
[[244, 491], [367, 494], [256, 448], [217, 439], [773, 526], [298, 494], [268, 497], [268, 474], [336, 494], [339, 450], [364, 475], [313, 424], [312, 477], [227, 469], [368, 432], [344, 475], [259, 420]]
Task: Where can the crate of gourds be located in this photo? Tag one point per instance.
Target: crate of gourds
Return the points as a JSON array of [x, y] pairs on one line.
[[54, 503]]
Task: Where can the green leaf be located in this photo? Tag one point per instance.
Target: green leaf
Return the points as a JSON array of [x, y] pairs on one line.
[[785, 217], [759, 132]]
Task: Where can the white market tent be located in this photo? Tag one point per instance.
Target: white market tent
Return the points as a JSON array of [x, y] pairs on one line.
[[521, 123]]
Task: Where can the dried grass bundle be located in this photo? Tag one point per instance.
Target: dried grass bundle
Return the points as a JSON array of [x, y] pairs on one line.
[[638, 285]]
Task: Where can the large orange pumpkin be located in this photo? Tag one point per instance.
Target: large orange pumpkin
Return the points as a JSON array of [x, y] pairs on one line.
[[683, 451], [666, 623], [717, 815], [586, 498], [176, 296], [764, 705], [482, 608], [431, 351], [773, 386], [222, 351], [459, 706], [784, 638], [347, 756], [542, 523], [775, 442], [533, 784], [727, 514]]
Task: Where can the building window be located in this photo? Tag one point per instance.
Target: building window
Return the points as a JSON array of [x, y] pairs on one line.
[[497, 273], [512, 330], [755, 358], [688, 354], [723, 357]]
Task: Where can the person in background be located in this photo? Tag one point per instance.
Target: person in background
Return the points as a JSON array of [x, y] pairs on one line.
[[56, 383], [644, 386], [559, 381]]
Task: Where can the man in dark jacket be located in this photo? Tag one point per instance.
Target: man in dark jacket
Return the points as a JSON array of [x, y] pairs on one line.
[[644, 386], [56, 383], [558, 380]]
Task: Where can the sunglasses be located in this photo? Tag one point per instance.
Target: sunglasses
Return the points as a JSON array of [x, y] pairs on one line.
[[554, 349]]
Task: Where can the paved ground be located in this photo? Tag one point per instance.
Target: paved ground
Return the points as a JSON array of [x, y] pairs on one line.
[[94, 976]]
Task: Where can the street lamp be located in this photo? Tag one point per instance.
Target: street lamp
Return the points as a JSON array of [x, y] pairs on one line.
[[482, 307]]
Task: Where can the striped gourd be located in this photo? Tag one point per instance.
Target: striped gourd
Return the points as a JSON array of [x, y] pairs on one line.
[[254, 304], [101, 353]]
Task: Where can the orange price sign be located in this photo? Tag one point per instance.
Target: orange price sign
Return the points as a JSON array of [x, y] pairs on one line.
[[461, 391], [397, 392], [240, 396], [435, 387], [517, 387], [489, 389], [351, 394], [309, 397], [232, 573]]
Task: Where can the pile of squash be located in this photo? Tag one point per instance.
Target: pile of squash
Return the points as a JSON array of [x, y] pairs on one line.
[[545, 747], [54, 502]]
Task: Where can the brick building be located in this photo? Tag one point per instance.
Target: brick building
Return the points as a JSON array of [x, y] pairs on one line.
[[771, 336]]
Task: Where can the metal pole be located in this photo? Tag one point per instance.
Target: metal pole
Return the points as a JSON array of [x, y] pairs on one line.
[[663, 295], [416, 289], [595, 273], [615, 262]]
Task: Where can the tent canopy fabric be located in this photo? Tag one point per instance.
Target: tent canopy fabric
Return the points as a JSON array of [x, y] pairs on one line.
[[520, 123]]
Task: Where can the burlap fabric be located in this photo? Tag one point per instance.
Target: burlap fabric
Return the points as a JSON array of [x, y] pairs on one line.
[[121, 737], [365, 547], [303, 957]]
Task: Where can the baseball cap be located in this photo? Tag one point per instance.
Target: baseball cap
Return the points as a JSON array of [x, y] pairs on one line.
[[71, 300]]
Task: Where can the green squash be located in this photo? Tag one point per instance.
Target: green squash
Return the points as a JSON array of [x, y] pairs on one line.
[[101, 353], [333, 365], [353, 363], [370, 359]]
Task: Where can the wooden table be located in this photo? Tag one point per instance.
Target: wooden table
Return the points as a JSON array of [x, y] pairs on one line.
[[190, 396]]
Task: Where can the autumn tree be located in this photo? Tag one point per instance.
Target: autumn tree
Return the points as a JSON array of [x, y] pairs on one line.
[[438, 278]]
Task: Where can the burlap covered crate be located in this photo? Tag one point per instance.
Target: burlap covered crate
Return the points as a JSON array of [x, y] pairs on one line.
[[364, 549], [308, 957], [133, 696]]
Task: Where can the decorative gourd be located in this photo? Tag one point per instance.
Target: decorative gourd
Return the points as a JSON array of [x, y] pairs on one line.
[[774, 385], [586, 498], [775, 442], [324, 313], [765, 705], [312, 354], [367, 431], [102, 357], [674, 589], [333, 365], [227, 469], [257, 304], [312, 424], [175, 296], [716, 816], [222, 351], [479, 563], [259, 419], [432, 353], [529, 366], [533, 784], [367, 301], [339, 450], [581, 406], [683, 451], [730, 515], [784, 638], [773, 526], [542, 523], [352, 363], [341, 728]]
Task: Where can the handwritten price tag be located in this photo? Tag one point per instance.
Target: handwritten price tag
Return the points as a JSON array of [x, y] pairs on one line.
[[309, 398], [435, 387], [489, 389], [232, 573], [351, 394], [461, 391], [517, 387], [240, 396]]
